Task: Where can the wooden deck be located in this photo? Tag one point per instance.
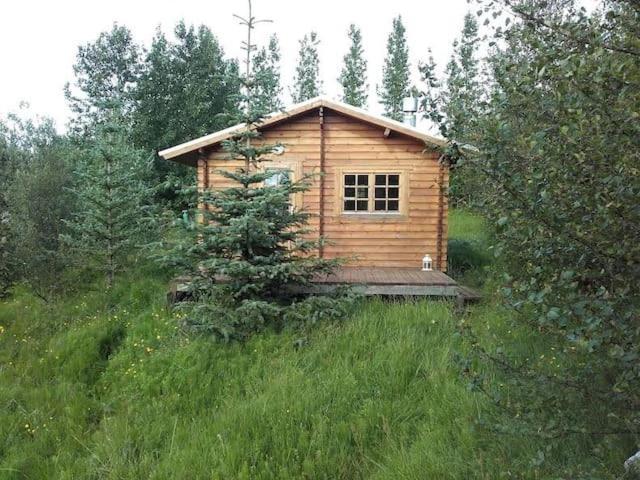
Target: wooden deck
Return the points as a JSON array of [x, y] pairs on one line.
[[396, 282], [384, 281]]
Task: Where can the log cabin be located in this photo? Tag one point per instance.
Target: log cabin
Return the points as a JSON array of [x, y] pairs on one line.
[[379, 199]]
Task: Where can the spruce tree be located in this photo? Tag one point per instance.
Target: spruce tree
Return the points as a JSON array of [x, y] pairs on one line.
[[247, 252], [307, 82], [395, 72], [266, 72], [112, 198], [353, 76]]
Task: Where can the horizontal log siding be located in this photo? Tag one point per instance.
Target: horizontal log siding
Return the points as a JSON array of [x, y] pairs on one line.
[[365, 240]]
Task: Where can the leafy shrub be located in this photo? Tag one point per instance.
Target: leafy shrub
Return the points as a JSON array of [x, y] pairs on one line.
[[465, 255]]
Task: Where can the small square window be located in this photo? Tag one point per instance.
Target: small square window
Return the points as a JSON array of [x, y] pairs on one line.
[[386, 192]]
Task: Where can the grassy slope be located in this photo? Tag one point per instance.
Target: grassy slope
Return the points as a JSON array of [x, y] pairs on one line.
[[125, 396]]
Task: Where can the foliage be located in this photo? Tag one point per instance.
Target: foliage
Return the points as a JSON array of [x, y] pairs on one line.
[[6, 245], [33, 173], [38, 203], [307, 83], [7, 256], [560, 144], [112, 203], [463, 256], [353, 76], [266, 73], [106, 72], [249, 248], [461, 107], [187, 88], [91, 391], [395, 72], [463, 93], [455, 107]]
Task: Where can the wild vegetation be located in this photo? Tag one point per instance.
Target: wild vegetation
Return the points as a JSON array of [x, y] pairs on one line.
[[93, 391], [540, 380]]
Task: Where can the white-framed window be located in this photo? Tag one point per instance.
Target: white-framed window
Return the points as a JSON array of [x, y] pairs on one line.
[[371, 192], [280, 177]]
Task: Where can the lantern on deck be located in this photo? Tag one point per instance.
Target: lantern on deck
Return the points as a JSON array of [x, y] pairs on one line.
[[427, 263]]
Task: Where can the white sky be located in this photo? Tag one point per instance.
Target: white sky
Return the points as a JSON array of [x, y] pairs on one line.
[[39, 39]]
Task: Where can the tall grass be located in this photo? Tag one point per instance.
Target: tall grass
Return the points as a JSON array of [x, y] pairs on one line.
[[90, 391]]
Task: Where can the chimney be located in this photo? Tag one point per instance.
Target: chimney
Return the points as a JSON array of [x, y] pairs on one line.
[[409, 108]]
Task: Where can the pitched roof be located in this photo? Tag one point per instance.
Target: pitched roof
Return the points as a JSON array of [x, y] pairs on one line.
[[180, 153]]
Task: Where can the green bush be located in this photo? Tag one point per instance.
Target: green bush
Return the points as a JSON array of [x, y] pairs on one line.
[[465, 255]]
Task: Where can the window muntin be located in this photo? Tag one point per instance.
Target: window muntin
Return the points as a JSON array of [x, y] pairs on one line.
[[371, 193]]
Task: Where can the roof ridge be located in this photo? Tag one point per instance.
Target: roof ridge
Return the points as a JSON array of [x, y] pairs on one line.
[[296, 109]]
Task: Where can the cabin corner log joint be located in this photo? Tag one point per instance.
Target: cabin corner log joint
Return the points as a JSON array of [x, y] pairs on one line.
[[380, 196]]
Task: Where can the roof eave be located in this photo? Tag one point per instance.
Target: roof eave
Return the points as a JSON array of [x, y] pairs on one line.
[[183, 153]]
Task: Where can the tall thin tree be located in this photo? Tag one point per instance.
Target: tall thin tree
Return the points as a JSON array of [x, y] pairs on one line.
[[266, 72], [353, 76], [463, 93], [307, 83], [395, 72]]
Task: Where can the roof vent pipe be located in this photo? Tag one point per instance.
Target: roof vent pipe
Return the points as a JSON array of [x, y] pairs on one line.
[[409, 108]]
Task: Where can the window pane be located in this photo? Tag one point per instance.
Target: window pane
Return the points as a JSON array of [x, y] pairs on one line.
[[380, 205], [393, 192], [362, 205], [394, 179], [279, 177], [381, 179], [363, 192], [350, 192], [381, 192], [392, 205], [349, 205], [363, 179], [349, 179]]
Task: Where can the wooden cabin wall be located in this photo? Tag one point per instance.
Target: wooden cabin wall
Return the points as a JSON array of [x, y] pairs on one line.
[[389, 240]]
